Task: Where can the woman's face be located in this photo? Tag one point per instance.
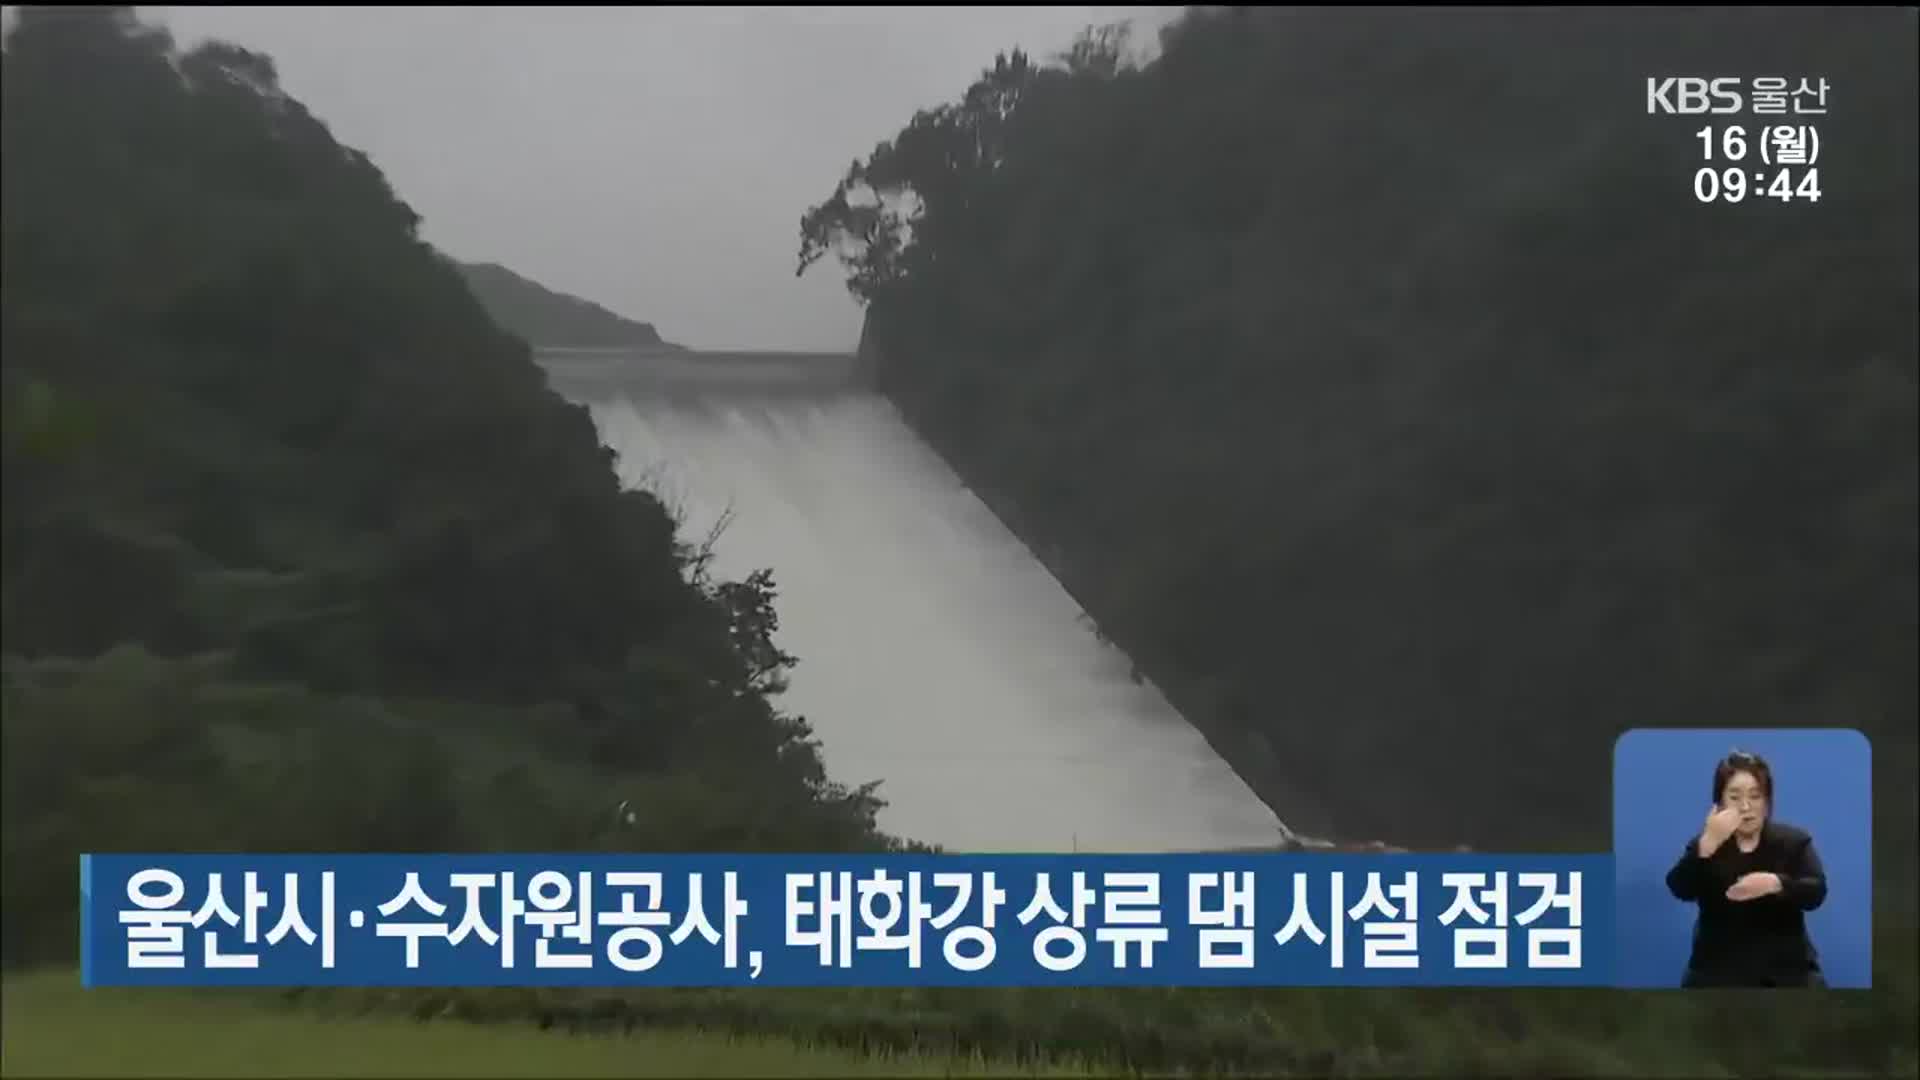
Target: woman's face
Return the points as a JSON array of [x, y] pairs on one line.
[[1744, 793]]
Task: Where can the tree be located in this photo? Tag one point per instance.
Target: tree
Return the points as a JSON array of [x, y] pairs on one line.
[[1413, 437]]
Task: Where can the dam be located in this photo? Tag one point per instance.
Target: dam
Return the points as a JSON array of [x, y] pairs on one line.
[[936, 654]]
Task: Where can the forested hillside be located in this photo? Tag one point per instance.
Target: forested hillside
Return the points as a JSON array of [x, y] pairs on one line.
[[230, 621], [1383, 389], [540, 316]]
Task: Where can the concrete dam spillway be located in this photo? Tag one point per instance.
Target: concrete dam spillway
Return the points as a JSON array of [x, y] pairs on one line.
[[936, 653]]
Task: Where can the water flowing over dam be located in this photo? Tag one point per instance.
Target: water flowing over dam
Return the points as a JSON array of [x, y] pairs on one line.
[[935, 652]]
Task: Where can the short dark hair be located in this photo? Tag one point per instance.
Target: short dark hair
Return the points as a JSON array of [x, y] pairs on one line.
[[1739, 761]]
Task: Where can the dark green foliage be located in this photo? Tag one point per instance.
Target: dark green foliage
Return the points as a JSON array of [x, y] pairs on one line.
[[1385, 392], [299, 551], [541, 316]]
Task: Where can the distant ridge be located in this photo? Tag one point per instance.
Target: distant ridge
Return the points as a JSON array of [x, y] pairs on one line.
[[545, 318]]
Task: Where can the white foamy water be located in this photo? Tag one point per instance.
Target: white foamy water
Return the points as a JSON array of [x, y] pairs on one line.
[[936, 653]]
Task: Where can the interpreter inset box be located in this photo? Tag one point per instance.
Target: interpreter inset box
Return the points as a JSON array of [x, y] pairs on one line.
[[1743, 858]]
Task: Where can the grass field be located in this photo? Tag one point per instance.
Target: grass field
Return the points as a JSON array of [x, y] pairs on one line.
[[53, 1027], [50, 1026]]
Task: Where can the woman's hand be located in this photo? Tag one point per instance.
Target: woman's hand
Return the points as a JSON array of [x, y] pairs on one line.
[[1721, 821], [1753, 886]]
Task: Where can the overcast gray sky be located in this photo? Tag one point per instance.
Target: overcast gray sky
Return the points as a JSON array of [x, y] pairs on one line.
[[655, 160]]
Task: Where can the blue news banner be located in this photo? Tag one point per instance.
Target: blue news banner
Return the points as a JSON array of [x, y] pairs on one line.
[[894, 920]]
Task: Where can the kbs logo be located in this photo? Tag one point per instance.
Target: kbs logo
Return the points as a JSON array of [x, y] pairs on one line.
[[1691, 97]]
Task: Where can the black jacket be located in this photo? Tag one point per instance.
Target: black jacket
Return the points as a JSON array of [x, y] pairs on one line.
[[1759, 942]]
